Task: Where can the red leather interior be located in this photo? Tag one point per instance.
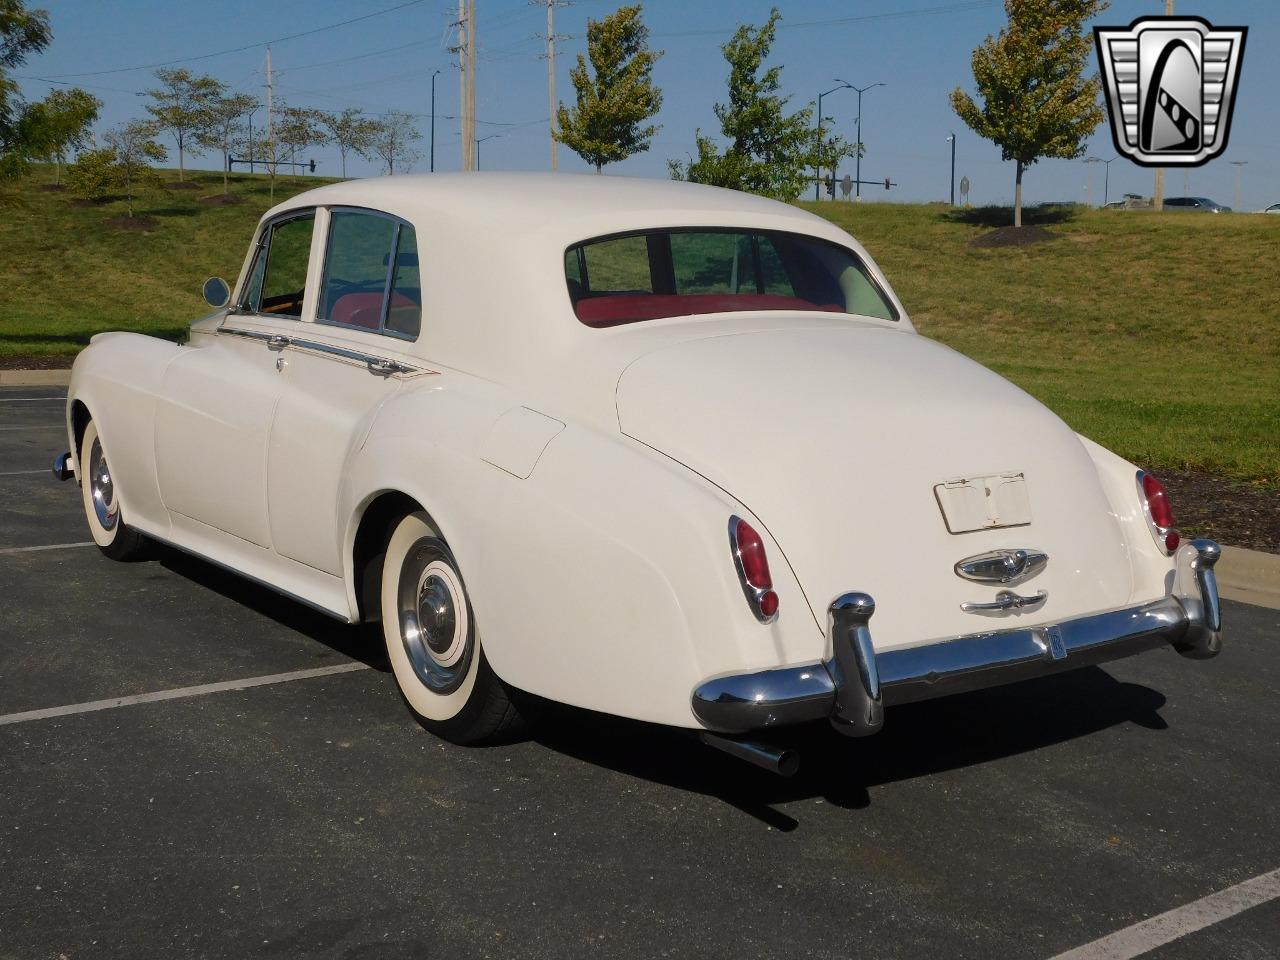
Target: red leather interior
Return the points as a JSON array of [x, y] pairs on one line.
[[609, 311], [364, 309]]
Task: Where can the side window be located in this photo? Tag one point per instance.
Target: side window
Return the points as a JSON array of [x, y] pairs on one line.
[[288, 251], [253, 286], [355, 269], [404, 312]]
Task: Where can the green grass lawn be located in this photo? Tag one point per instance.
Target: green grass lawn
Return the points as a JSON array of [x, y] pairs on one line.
[[1157, 335]]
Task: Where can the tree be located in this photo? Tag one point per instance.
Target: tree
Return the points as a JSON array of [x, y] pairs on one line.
[[1037, 101], [94, 174], [769, 152], [293, 130], [60, 123], [135, 148], [392, 140], [183, 109], [225, 121], [606, 125], [350, 132]]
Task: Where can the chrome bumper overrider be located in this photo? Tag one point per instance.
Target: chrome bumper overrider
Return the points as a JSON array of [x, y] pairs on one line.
[[852, 688]]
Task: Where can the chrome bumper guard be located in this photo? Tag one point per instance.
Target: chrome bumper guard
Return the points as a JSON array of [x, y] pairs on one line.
[[853, 687], [64, 467]]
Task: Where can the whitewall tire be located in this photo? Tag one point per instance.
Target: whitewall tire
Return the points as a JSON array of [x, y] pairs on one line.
[[432, 640], [101, 499]]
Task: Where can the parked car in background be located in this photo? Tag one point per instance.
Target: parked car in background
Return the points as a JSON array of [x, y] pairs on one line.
[[1199, 204], [656, 449]]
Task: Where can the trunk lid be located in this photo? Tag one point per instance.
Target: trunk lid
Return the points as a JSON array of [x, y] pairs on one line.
[[847, 442]]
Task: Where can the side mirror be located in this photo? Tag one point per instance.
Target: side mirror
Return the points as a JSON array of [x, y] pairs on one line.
[[216, 292]]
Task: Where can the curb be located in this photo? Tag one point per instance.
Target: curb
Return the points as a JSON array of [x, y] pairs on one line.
[[34, 378], [1249, 576]]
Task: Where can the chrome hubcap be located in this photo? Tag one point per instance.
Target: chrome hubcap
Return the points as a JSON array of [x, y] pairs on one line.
[[434, 620], [101, 489]]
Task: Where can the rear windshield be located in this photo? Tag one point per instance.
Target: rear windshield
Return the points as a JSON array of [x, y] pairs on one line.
[[676, 273]]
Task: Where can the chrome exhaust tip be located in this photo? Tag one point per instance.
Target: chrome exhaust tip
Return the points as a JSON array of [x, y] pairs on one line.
[[780, 760]]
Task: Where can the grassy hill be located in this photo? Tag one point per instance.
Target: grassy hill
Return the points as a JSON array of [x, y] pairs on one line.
[[1157, 335]]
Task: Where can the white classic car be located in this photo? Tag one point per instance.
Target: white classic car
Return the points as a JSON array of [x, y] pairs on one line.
[[647, 448]]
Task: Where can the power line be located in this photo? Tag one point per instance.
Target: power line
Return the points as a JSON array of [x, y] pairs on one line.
[[247, 46], [838, 21]]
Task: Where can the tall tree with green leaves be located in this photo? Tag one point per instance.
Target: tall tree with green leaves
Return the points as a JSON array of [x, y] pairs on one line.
[[616, 95], [392, 140], [1036, 98], [33, 130], [183, 108], [769, 151], [350, 131], [222, 131], [134, 148], [60, 123]]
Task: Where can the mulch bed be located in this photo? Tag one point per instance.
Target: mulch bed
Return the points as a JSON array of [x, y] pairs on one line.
[[51, 187], [1225, 510], [183, 185], [87, 202], [57, 361], [219, 198], [142, 223], [1012, 237]]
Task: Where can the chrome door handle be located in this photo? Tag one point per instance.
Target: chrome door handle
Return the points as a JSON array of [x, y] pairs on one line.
[[277, 342], [1007, 600], [386, 368]]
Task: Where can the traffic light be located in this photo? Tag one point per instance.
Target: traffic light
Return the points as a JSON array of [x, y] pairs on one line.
[[313, 169], [887, 184], [831, 187]]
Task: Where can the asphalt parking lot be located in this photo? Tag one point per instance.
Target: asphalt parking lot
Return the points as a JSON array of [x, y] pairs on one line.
[[311, 816]]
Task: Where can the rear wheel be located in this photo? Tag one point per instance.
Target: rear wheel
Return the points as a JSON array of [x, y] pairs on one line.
[[114, 537], [432, 641]]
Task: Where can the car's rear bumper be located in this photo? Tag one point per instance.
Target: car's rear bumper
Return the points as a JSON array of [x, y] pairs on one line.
[[853, 687]]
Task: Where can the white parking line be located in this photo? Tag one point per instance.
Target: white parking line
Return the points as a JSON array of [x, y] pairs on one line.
[[33, 399], [178, 693], [21, 473], [47, 546], [39, 426], [1157, 931]]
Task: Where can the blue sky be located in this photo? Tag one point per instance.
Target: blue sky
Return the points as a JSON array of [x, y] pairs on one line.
[[920, 56]]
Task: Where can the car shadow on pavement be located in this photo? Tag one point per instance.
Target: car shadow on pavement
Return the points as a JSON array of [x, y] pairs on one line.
[[357, 642], [918, 740]]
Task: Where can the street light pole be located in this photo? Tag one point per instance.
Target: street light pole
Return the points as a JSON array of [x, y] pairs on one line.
[[952, 138], [433, 121], [1238, 164], [858, 162], [818, 166]]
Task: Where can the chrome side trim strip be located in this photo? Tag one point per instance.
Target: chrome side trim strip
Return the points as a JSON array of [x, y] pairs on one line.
[[382, 366]]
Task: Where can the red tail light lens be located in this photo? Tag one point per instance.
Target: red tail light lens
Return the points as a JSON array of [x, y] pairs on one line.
[[1159, 512], [753, 569]]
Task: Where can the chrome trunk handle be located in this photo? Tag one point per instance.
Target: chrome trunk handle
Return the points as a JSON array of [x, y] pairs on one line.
[[385, 368], [1007, 600]]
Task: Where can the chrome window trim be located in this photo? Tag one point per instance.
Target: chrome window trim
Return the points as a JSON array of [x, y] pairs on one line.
[[394, 255]]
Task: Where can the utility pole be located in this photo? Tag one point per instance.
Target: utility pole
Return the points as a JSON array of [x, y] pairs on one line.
[[465, 49], [857, 177], [952, 138], [270, 135], [550, 56], [1239, 165], [1157, 201], [434, 74]]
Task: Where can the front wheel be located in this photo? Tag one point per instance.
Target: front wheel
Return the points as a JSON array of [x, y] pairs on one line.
[[114, 537], [432, 641]]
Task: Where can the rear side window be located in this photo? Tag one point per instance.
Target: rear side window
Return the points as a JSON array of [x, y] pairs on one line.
[[371, 279], [287, 252], [670, 273]]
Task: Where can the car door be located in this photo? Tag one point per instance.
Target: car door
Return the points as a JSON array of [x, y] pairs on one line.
[[338, 371], [214, 414]]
